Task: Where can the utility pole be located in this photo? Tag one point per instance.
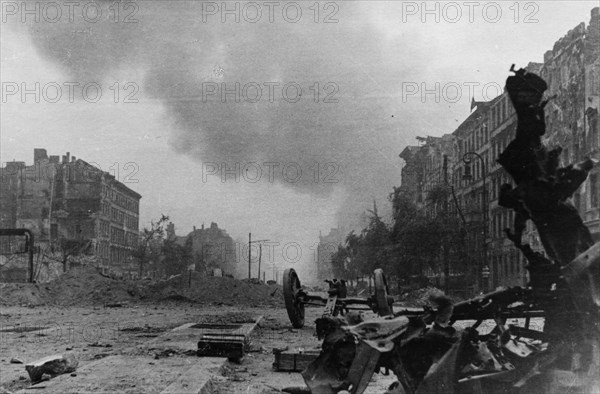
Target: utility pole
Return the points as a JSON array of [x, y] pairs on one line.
[[250, 254], [259, 258]]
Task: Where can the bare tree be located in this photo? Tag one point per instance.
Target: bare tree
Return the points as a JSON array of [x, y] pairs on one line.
[[150, 237]]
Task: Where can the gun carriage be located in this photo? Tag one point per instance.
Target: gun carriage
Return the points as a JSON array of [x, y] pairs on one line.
[[336, 303]]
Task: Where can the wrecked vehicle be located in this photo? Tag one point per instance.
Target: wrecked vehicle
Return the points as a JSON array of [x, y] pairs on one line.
[[337, 302], [429, 354]]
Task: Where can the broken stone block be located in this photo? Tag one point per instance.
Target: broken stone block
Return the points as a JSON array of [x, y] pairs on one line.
[[57, 364]]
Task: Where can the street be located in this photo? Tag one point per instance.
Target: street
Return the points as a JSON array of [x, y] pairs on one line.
[[94, 333]]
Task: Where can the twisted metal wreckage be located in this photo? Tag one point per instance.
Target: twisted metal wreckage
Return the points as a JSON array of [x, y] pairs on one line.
[[428, 355]]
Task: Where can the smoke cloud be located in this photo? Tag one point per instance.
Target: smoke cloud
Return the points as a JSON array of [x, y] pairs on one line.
[[184, 62]]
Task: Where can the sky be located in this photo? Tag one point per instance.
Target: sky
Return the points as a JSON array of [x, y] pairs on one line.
[[282, 119]]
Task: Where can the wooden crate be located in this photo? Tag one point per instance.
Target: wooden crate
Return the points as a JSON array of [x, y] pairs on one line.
[[231, 346], [293, 361]]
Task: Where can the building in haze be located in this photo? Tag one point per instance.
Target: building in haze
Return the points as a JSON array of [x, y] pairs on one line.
[[212, 248], [328, 245]]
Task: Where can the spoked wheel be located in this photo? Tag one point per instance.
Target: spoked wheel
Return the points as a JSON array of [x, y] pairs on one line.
[[384, 303], [293, 303]]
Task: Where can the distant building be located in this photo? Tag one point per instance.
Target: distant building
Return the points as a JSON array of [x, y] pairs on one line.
[[412, 173], [69, 203], [212, 248], [328, 245]]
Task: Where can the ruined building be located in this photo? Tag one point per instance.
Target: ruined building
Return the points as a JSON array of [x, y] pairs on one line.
[[326, 248], [212, 248], [572, 70], [72, 207]]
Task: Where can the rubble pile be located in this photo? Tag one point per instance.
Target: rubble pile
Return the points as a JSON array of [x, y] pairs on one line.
[[80, 286], [420, 297], [216, 290], [86, 286], [22, 294]]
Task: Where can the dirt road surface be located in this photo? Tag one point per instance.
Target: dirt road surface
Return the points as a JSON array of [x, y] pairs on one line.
[[95, 333]]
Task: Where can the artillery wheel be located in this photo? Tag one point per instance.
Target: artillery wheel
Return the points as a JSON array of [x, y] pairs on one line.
[[293, 304], [384, 304]]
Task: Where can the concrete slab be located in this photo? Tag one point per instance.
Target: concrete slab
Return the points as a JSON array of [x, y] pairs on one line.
[[185, 337], [196, 379], [144, 374], [136, 374]]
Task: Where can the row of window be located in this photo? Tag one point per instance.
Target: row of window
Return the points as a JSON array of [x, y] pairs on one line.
[[112, 253], [105, 208], [104, 228], [498, 179], [475, 141], [119, 216], [505, 265], [496, 115], [502, 110], [594, 191], [119, 199], [102, 249], [126, 203], [501, 219], [118, 255], [121, 237]]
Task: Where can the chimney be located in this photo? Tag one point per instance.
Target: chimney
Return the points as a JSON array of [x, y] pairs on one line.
[[194, 228], [64, 159], [39, 155], [73, 159], [68, 157]]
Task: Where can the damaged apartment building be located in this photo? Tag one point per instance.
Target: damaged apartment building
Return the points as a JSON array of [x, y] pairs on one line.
[[72, 208], [572, 70]]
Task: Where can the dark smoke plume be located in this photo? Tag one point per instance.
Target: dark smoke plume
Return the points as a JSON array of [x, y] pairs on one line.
[[178, 54]]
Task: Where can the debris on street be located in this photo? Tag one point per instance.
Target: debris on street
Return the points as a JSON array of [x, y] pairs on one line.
[[50, 367]]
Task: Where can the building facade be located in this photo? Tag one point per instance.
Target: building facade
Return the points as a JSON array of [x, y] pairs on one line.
[[71, 206], [572, 71], [212, 248], [326, 248]]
